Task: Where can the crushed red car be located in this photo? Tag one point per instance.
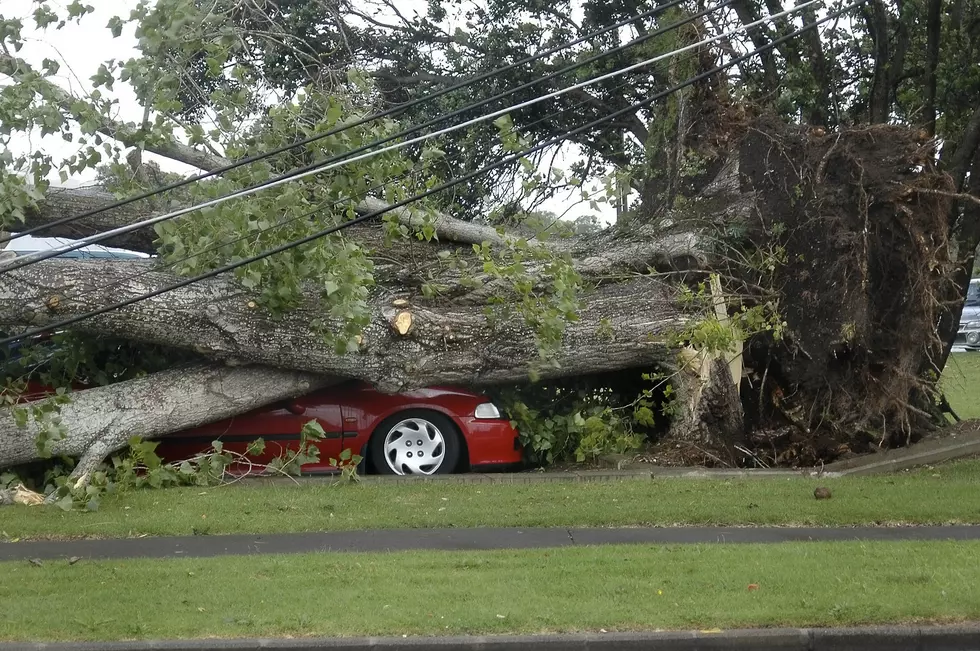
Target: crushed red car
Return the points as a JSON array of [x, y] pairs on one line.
[[423, 432], [428, 431]]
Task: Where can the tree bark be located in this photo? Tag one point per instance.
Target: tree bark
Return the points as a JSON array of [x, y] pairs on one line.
[[879, 101], [67, 202], [933, 37], [61, 203], [621, 326]]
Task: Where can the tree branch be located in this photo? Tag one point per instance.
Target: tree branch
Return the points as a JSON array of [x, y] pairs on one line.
[[102, 419], [127, 134]]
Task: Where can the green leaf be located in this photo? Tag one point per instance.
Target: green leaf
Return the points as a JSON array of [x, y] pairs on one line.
[[115, 25], [102, 77], [43, 16], [76, 9], [51, 67], [66, 503], [312, 431]]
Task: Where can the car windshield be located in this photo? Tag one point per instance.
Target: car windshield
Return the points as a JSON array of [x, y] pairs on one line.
[[973, 295]]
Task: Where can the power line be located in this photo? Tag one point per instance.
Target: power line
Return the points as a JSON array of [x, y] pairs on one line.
[[376, 116], [312, 168], [327, 166], [448, 184]]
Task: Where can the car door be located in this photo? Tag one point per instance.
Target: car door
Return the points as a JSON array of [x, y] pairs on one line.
[[321, 408], [278, 425]]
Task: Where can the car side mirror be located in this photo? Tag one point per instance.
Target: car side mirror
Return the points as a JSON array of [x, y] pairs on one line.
[[295, 408]]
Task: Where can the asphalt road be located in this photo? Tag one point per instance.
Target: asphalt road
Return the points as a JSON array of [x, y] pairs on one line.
[[457, 539]]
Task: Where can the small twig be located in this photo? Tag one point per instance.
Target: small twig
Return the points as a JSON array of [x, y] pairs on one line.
[[712, 456], [962, 196], [745, 450], [826, 157]]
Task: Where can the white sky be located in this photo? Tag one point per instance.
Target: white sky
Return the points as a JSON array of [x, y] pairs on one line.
[[80, 49]]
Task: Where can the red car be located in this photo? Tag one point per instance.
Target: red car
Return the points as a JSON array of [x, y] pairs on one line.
[[424, 432]]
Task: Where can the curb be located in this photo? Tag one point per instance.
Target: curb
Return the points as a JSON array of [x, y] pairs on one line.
[[647, 473], [882, 638], [910, 459], [889, 461]]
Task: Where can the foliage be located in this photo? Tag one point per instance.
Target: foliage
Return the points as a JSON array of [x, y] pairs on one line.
[[586, 418], [347, 464], [711, 335], [139, 467]]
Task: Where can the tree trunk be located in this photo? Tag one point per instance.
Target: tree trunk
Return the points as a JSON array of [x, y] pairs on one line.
[[934, 24], [621, 326], [879, 101]]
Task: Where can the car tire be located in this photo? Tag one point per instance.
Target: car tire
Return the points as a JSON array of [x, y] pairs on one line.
[[395, 444]]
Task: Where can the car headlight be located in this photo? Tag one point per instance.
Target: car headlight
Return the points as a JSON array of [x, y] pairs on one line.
[[487, 411]]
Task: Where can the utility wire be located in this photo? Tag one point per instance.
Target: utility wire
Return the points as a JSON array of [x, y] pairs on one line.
[[317, 166], [327, 166], [377, 116], [443, 186]]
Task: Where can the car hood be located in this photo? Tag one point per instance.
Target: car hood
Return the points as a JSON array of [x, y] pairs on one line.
[[970, 315]]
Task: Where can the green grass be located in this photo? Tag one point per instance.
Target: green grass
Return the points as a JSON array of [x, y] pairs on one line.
[[618, 588], [946, 494], [961, 381]]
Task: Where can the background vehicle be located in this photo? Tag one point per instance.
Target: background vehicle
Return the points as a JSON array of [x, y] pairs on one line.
[[968, 336]]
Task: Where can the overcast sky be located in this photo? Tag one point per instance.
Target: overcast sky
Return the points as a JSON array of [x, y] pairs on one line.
[[80, 49]]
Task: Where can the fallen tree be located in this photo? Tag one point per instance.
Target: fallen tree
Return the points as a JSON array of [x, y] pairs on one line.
[[852, 258], [783, 281]]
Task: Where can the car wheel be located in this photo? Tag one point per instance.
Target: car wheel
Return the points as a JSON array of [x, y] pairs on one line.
[[415, 442]]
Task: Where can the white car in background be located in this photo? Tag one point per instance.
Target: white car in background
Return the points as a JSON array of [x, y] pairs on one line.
[[968, 336]]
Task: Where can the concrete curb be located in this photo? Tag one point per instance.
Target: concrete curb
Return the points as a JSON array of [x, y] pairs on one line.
[[558, 477], [924, 453], [881, 638], [886, 463]]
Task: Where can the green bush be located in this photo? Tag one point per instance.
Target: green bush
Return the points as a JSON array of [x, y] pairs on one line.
[[585, 419]]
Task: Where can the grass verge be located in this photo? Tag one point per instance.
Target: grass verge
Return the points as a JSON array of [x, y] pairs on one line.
[[941, 495], [961, 382], [534, 591]]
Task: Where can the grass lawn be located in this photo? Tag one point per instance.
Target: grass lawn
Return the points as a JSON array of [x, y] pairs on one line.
[[945, 494], [617, 588], [961, 381]]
